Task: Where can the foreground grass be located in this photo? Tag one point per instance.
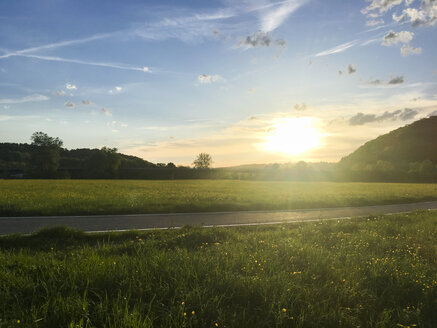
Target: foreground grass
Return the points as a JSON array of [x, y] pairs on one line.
[[70, 197], [372, 272]]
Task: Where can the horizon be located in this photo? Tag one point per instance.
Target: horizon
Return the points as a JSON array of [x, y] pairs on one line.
[[165, 82]]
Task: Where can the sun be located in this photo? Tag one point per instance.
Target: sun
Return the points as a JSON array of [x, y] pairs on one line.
[[292, 136]]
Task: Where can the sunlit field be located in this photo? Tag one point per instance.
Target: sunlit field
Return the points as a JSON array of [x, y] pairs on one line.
[[64, 197], [367, 272]]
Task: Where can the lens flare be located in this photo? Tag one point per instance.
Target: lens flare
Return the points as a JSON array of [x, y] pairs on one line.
[[292, 136]]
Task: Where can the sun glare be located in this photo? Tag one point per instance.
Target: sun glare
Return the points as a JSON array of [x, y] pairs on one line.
[[292, 136]]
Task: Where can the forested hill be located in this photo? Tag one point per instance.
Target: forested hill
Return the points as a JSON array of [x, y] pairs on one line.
[[17, 158], [412, 143], [402, 153]]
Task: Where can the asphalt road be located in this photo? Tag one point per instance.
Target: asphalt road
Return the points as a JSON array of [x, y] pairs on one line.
[[25, 225]]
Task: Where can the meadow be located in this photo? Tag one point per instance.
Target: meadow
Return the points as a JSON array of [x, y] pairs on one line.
[[364, 272], [75, 197]]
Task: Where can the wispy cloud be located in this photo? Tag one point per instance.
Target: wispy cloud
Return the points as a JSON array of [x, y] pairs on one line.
[[69, 104], [374, 22], [207, 79], [25, 99], [403, 115], [407, 50], [337, 49], [272, 19], [83, 62], [116, 89], [57, 45], [396, 80], [107, 112], [18, 117], [70, 86], [379, 7]]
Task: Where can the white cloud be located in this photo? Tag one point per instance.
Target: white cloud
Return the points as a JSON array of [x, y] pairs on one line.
[[6, 107], [25, 99], [206, 79], [380, 6], [260, 38], [69, 86], [116, 89], [272, 19], [86, 102], [392, 38], [406, 50], [426, 15], [60, 93]]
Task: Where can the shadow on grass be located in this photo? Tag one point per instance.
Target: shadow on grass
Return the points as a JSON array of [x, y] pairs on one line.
[[63, 237]]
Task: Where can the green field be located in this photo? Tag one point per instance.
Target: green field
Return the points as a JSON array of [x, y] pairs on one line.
[[367, 272], [68, 197]]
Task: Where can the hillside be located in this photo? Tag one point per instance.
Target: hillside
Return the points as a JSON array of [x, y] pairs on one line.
[[412, 143], [405, 154]]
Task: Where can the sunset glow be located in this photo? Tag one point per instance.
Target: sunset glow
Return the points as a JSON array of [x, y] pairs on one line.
[[292, 136]]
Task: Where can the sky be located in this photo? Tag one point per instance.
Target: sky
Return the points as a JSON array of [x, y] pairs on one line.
[[257, 81]]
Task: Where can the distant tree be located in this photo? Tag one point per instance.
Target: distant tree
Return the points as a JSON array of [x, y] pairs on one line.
[[203, 161], [41, 139], [44, 160], [171, 165], [160, 164], [104, 163]]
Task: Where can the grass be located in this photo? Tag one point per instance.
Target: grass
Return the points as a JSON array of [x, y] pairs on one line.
[[75, 197], [369, 272]]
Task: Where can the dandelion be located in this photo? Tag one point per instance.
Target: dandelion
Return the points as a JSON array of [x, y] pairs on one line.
[[216, 324], [192, 312], [185, 314], [182, 302], [284, 310], [18, 321]]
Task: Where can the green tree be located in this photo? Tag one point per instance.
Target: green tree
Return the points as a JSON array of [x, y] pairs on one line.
[[104, 163], [203, 161], [44, 160]]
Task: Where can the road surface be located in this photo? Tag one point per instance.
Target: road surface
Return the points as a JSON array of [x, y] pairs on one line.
[[26, 225]]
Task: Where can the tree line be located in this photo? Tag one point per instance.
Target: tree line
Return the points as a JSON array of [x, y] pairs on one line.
[[44, 157]]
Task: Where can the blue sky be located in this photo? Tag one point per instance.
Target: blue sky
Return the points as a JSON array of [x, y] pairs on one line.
[[166, 80]]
